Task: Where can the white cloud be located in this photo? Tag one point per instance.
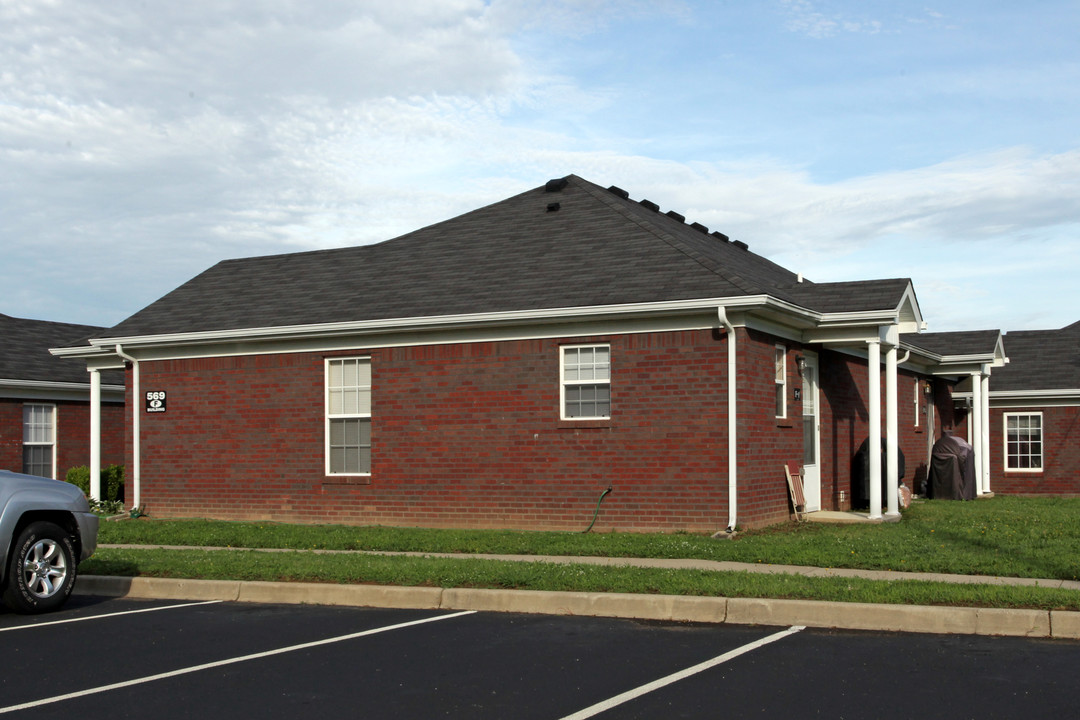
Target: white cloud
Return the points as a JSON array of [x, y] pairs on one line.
[[804, 18]]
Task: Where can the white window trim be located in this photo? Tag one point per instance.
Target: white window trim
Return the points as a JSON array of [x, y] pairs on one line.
[[55, 415], [327, 417], [918, 400], [563, 382], [780, 377], [1005, 443]]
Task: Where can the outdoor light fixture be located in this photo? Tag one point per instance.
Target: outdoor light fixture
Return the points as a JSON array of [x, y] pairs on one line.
[[800, 361]]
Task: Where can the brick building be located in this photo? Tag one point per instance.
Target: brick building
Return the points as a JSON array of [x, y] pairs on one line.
[[1034, 427], [505, 367], [45, 402]]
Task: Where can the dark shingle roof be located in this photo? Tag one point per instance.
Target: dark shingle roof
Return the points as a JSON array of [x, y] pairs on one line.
[[969, 342], [24, 351], [568, 244], [850, 296], [1040, 360]]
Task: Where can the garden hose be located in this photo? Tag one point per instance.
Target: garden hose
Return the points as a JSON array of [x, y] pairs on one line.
[[596, 514]]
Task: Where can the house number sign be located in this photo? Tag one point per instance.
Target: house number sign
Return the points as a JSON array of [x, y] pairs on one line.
[[155, 401]]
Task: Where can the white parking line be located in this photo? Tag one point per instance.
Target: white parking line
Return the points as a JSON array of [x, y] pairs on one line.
[[681, 675], [107, 615], [227, 661]]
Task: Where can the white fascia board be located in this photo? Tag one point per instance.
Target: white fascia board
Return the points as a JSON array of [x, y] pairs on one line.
[[654, 317], [762, 312], [859, 331], [909, 314], [46, 390], [685, 314], [1035, 398]]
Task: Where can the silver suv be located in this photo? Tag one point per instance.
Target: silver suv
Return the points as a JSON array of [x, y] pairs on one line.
[[46, 530]]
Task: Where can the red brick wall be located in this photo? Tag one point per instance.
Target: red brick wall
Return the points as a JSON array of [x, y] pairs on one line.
[[469, 435], [72, 434], [766, 443], [11, 434], [1061, 454]]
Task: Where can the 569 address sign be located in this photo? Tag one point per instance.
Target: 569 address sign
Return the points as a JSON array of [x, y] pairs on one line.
[[155, 401]]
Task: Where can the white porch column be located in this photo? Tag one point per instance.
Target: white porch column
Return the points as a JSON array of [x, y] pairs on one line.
[[892, 461], [95, 434], [976, 422], [984, 481], [873, 365]]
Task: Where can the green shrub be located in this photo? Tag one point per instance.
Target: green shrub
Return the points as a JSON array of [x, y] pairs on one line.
[[112, 481], [80, 477]]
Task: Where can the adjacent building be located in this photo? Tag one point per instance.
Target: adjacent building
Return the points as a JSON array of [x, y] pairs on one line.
[[48, 405]]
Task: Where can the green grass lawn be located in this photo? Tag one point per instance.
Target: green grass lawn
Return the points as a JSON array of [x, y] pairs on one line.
[[1006, 536]]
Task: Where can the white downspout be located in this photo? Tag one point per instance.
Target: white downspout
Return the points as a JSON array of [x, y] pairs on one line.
[[733, 451], [975, 422], [984, 483], [136, 500]]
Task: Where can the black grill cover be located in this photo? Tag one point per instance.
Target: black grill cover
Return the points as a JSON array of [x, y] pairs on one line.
[[952, 469]]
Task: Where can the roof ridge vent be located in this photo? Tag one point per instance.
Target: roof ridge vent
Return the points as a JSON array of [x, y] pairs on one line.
[[699, 227], [556, 185], [619, 191], [740, 244], [676, 216], [650, 205], [720, 236]]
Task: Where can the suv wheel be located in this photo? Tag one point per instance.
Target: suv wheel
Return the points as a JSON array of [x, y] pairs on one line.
[[42, 570]]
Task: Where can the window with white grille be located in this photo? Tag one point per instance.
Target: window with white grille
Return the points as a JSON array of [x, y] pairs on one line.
[[1023, 441], [780, 364], [586, 382], [348, 416], [39, 440]]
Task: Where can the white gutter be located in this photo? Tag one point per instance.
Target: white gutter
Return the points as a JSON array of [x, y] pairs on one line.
[[136, 500], [733, 452], [414, 324]]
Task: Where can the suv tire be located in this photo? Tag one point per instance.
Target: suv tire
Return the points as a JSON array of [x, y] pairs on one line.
[[42, 570]]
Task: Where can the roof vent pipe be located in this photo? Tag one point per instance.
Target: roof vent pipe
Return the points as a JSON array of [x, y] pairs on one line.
[[556, 185]]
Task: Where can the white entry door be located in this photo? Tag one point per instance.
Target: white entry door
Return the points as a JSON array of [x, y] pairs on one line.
[[811, 469]]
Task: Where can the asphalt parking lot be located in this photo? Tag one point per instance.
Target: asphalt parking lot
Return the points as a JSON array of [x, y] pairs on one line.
[[168, 659]]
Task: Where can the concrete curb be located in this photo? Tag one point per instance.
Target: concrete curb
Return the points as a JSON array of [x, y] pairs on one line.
[[737, 611]]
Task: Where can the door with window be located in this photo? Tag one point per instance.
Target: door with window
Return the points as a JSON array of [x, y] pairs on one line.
[[811, 471]]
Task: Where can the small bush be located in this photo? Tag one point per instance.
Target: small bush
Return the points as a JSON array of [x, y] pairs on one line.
[[112, 481], [80, 477]]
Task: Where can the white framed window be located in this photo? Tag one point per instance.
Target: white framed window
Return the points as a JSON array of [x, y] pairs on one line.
[[348, 416], [39, 440], [780, 364], [918, 401], [585, 384], [1024, 442]]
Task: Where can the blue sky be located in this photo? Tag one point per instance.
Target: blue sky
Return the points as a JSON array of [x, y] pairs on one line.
[[142, 142]]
